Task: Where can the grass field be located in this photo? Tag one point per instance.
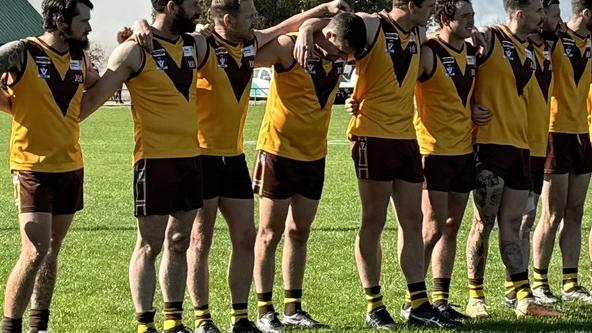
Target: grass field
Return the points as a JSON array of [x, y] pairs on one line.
[[93, 295]]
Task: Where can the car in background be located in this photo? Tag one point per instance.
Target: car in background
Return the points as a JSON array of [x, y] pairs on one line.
[[261, 82]]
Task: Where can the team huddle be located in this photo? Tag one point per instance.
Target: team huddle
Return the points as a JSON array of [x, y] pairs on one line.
[[499, 112]]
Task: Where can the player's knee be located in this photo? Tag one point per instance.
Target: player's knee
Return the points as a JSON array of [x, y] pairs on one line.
[[149, 250], [178, 243], [432, 233], [201, 243], [270, 236], [298, 235], [244, 240], [34, 256]]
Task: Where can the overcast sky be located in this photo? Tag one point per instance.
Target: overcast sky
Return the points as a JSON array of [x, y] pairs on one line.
[[109, 15]]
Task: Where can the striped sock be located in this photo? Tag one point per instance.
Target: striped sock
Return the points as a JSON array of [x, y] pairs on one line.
[[202, 313], [476, 289], [570, 279], [521, 285], [264, 303], [38, 320], [12, 325], [373, 299], [239, 312], [441, 291], [173, 315], [145, 321], [418, 294], [292, 301], [509, 286], [540, 278]]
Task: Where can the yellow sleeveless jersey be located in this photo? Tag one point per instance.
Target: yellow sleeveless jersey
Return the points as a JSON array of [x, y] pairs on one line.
[[45, 101], [571, 66], [298, 110], [502, 85], [443, 121], [387, 74], [163, 101], [539, 100], [223, 89], [589, 108]]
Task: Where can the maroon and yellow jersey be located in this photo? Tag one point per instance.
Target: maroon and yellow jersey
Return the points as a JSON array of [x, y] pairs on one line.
[[387, 74], [298, 110], [223, 89], [502, 85], [443, 121], [163, 100], [45, 100], [539, 100], [572, 69]]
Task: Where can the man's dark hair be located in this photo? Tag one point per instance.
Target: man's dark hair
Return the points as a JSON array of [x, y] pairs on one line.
[[160, 5], [445, 10], [60, 9], [219, 8], [404, 3], [512, 5], [547, 3], [351, 28], [579, 5]]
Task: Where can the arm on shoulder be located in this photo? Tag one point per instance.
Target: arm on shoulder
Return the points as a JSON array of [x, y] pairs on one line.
[[278, 51], [125, 59], [293, 23]]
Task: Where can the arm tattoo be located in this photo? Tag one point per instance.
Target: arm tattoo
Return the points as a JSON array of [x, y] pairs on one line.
[[11, 56]]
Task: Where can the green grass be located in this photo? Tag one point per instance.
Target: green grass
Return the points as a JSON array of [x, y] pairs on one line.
[[92, 294]]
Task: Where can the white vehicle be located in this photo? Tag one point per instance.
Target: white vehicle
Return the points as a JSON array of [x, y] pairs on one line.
[[347, 84], [261, 83]]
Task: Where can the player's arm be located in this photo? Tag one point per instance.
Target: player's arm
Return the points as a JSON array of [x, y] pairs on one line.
[[276, 52], [202, 48], [427, 64], [293, 23], [12, 57], [125, 60], [92, 76], [305, 40], [483, 40], [5, 105]]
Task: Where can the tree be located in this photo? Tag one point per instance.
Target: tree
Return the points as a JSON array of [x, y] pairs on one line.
[[97, 56]]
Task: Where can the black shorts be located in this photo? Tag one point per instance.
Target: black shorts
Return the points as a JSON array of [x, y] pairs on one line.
[[226, 177], [277, 177], [58, 193], [387, 159], [568, 152], [449, 173], [167, 185], [537, 173], [510, 163]]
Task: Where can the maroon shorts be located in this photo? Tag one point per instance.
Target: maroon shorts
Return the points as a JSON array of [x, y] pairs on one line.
[[510, 163], [387, 159], [449, 173], [226, 177], [167, 185], [277, 177], [567, 153], [47, 192], [537, 173]]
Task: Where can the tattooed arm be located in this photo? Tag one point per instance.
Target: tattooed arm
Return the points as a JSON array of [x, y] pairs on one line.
[[12, 57]]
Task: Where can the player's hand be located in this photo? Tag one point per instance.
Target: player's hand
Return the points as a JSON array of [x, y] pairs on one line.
[[478, 40], [352, 106], [205, 30], [143, 35], [304, 46], [337, 6], [123, 34], [480, 115]]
